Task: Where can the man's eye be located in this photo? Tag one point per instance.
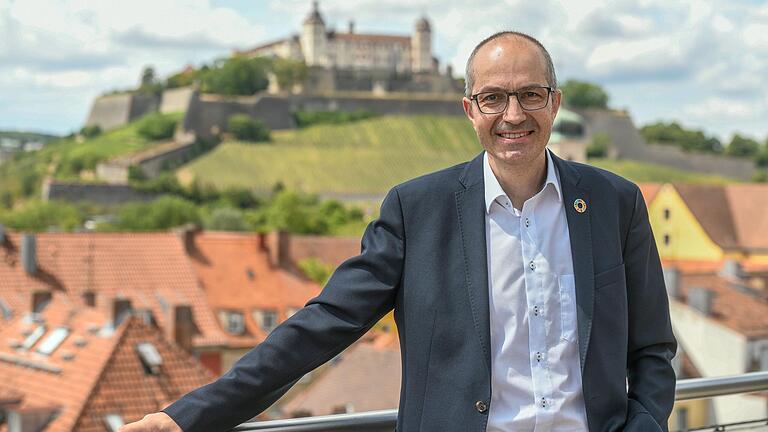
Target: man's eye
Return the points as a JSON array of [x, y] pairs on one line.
[[490, 98]]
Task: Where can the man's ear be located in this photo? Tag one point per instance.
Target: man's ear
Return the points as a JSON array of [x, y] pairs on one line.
[[557, 98], [467, 105]]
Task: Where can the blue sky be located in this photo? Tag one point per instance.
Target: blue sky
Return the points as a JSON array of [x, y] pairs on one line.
[[698, 62]]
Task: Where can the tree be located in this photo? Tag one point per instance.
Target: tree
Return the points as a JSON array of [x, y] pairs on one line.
[[238, 75], [156, 126], [742, 146], [673, 133], [582, 94], [226, 219], [42, 216], [289, 72], [161, 214], [245, 128]]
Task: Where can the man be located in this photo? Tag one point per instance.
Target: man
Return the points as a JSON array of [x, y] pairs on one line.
[[527, 290]]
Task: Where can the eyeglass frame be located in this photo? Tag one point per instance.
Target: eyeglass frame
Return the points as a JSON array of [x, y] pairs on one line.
[[515, 93]]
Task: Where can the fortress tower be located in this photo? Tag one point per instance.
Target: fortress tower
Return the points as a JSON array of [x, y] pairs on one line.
[[314, 39], [421, 47]]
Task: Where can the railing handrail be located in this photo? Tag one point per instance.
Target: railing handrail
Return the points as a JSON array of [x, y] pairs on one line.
[[695, 388]]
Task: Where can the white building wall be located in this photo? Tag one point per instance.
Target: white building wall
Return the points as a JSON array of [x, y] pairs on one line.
[[716, 350]]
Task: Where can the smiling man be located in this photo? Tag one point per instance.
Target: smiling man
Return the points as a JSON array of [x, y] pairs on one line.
[[527, 290]]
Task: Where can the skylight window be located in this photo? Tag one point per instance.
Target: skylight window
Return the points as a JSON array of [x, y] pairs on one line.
[[6, 310], [113, 421], [33, 337], [150, 358], [53, 340]]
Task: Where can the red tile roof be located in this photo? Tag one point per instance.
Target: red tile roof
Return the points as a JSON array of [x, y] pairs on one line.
[[152, 270], [362, 37], [649, 191], [328, 249], [740, 304], [94, 371], [365, 377], [236, 275]]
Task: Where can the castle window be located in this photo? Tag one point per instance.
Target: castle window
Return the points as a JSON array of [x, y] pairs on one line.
[[666, 214], [666, 240]]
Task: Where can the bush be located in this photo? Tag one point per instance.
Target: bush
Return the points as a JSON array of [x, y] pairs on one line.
[[316, 270], [90, 131], [309, 118], [245, 128], [599, 146], [226, 219], [42, 216], [237, 75], [157, 126], [161, 214]]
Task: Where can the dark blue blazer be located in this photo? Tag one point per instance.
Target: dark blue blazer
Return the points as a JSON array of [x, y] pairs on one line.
[[426, 257]]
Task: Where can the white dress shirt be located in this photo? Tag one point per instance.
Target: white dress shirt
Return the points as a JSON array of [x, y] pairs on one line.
[[536, 373]]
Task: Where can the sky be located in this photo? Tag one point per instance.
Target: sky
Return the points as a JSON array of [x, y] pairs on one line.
[[698, 62]]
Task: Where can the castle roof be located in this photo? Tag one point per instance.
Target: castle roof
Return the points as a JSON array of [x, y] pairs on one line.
[[359, 37], [423, 24], [314, 17]]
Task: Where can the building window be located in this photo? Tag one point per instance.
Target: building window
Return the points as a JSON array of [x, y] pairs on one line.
[[266, 318], [233, 322], [666, 240], [682, 419], [666, 214]]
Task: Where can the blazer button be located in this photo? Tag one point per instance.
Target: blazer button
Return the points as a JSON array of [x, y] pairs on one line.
[[481, 406]]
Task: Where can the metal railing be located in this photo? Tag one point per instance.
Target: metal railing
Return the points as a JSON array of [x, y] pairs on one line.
[[697, 388]]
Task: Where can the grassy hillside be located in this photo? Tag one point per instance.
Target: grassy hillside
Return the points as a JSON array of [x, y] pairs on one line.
[[367, 157], [68, 158]]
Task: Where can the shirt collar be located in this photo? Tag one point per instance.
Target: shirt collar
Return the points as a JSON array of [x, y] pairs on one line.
[[493, 189]]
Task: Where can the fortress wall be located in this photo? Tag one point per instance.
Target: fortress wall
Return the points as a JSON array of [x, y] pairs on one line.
[[378, 105], [142, 104], [739, 168], [209, 116], [176, 100], [95, 193], [109, 112], [152, 166]]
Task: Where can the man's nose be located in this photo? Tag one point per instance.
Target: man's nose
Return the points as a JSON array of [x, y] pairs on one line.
[[514, 113]]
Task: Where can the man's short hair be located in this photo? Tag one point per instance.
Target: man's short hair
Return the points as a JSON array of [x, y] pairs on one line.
[[469, 73]]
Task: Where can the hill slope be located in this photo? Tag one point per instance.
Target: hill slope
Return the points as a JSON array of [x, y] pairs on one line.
[[367, 157]]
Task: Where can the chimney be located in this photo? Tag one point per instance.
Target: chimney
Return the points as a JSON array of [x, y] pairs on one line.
[[40, 300], [278, 248], [351, 26], [188, 233], [701, 299], [89, 298], [29, 253], [732, 269], [2, 234], [121, 309], [672, 281], [183, 326]]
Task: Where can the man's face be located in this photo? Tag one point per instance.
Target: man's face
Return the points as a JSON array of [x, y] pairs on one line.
[[514, 137]]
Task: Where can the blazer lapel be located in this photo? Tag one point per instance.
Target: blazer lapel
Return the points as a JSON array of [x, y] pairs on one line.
[[470, 204], [580, 234]]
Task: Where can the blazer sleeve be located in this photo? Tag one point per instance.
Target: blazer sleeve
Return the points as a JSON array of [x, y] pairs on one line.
[[652, 344], [357, 295]]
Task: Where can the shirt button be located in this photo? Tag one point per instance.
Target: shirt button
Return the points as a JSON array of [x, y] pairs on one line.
[[539, 356], [532, 265], [536, 311], [543, 403], [527, 222], [481, 406]]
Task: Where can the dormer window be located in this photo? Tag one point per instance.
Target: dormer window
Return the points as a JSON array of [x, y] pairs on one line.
[[266, 318], [233, 322]]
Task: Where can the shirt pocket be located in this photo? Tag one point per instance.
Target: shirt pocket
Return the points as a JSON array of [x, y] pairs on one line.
[[567, 288]]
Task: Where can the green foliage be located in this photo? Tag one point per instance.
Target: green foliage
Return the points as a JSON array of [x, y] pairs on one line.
[[238, 75], [761, 159], [310, 118], [599, 146], [157, 126], [316, 270], [674, 134], [135, 173], [289, 72], [43, 216], [246, 128], [742, 146], [90, 131], [582, 94], [760, 176], [161, 214], [226, 219], [303, 214], [185, 78], [640, 172]]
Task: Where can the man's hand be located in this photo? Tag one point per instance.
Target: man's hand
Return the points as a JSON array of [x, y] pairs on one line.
[[157, 422]]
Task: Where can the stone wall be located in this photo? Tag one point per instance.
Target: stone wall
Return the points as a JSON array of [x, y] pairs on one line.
[[176, 100], [393, 104], [109, 112], [104, 194], [207, 115]]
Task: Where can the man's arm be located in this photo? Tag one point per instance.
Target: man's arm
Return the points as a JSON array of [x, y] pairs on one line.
[[652, 344], [358, 294]]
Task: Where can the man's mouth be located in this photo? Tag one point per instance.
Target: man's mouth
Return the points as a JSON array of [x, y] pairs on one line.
[[513, 135]]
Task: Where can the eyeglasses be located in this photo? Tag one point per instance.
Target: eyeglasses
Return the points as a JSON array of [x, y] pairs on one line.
[[530, 99]]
